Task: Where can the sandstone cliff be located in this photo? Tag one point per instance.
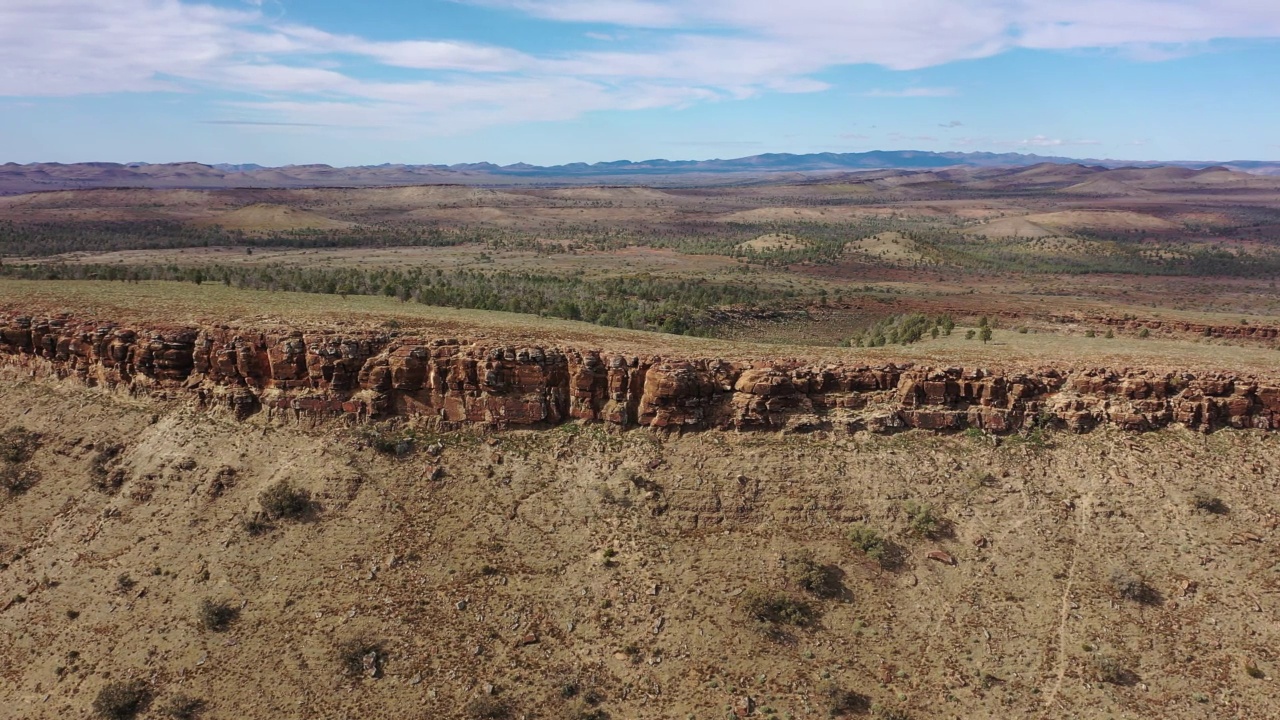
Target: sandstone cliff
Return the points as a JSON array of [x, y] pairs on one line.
[[381, 374]]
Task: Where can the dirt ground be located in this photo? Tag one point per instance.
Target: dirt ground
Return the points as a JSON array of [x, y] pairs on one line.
[[557, 574]]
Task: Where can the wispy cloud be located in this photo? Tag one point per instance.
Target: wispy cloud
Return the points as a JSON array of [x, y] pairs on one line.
[[952, 124], [689, 51], [1041, 141], [260, 123], [914, 92]]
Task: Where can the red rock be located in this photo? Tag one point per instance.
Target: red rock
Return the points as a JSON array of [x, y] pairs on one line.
[[943, 557]]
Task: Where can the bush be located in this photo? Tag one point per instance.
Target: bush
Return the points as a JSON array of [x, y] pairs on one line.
[[122, 700], [361, 655], [17, 445], [217, 616], [868, 540], [16, 480], [922, 521], [812, 576], [283, 501], [183, 707], [1131, 586], [840, 702], [487, 708], [773, 609], [1112, 670], [1208, 503], [387, 441]]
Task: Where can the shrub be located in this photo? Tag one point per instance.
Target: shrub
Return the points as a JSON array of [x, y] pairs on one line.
[[1112, 670], [283, 501], [487, 708], [16, 480], [122, 700], [183, 707], [361, 655], [387, 441], [1208, 503], [1131, 586], [868, 540], [217, 616], [922, 521], [840, 702], [776, 608], [812, 576], [17, 445]]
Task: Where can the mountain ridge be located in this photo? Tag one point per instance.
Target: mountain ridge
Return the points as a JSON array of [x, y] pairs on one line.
[[16, 178]]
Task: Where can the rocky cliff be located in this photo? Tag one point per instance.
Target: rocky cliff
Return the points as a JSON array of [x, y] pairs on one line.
[[382, 374]]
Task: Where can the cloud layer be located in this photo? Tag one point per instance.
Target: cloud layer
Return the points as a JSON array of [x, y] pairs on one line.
[[665, 53]]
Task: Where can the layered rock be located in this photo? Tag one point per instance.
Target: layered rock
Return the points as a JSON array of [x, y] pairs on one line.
[[373, 375]]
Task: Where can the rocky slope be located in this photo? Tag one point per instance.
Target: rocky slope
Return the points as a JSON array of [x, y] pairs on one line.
[[380, 374]]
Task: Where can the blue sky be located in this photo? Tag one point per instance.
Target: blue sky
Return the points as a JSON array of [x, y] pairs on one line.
[[554, 81]]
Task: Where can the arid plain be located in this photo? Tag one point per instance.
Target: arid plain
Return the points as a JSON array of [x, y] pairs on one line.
[[962, 443]]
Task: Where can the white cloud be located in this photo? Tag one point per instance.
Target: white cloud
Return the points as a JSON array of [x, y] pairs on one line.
[[913, 92], [690, 51]]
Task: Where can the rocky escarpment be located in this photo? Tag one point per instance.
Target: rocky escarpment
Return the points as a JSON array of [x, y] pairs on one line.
[[374, 375]]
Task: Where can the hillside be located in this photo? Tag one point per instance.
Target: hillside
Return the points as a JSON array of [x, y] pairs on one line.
[[419, 556]]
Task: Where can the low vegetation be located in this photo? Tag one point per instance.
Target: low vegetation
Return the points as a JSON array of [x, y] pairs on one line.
[[1131, 586], [814, 577], [217, 615], [122, 700], [284, 501], [361, 655], [870, 542], [773, 611], [923, 521]]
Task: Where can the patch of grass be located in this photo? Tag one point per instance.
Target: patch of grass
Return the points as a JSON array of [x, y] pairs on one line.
[[816, 578], [284, 501], [217, 615], [122, 700]]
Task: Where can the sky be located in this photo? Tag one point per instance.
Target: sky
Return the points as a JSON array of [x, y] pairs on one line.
[[347, 82]]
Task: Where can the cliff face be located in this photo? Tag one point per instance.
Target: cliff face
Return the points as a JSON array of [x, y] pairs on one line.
[[385, 374]]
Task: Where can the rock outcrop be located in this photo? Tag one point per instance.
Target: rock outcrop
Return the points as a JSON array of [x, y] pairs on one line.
[[375, 375]]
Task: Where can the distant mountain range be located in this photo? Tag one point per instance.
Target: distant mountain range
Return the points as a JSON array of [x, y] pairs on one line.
[[16, 178]]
